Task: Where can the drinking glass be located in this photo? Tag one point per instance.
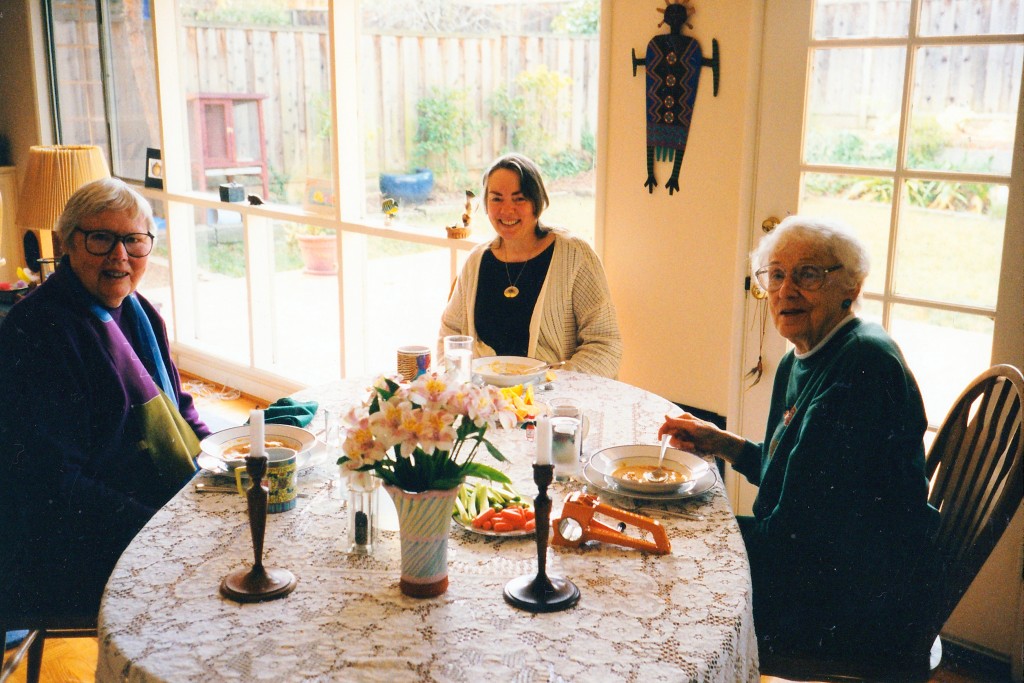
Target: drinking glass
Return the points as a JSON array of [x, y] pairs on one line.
[[458, 357], [568, 429]]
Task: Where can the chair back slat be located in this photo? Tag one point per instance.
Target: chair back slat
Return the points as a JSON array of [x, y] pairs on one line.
[[976, 477], [985, 469]]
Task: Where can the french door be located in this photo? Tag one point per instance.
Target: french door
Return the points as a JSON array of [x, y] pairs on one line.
[[904, 119]]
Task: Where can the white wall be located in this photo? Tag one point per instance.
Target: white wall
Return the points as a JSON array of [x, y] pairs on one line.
[[671, 260]]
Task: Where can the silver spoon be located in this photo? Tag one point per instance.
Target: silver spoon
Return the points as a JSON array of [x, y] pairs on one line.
[[659, 475], [545, 367]]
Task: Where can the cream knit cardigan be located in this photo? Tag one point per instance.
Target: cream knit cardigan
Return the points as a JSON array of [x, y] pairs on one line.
[[574, 319]]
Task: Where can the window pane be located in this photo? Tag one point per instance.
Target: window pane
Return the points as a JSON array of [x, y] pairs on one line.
[[865, 19], [950, 241], [971, 17], [853, 106], [156, 283], [304, 320], [220, 304], [446, 89], [864, 202], [134, 117], [79, 81], [965, 107], [404, 292], [272, 62], [945, 351]]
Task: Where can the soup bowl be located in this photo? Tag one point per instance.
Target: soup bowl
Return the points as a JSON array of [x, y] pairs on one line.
[[625, 467], [508, 371]]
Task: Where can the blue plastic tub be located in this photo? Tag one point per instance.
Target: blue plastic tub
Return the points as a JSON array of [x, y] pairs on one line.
[[408, 188]]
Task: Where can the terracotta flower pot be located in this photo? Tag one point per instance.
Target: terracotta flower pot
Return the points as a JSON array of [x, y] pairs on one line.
[[319, 254], [424, 521]]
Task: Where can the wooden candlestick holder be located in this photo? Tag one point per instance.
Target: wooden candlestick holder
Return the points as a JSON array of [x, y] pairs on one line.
[[259, 583], [540, 592]]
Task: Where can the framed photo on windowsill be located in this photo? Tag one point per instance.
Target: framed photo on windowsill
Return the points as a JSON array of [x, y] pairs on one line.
[[154, 169]]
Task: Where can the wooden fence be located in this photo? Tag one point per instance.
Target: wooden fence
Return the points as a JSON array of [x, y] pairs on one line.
[[291, 67]]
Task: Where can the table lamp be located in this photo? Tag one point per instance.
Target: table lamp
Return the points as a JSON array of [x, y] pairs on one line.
[[52, 175]]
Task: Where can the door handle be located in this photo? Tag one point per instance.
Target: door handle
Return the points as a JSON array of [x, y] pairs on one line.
[[769, 224]]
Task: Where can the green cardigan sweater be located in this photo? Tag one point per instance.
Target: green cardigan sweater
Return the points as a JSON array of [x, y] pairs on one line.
[[839, 537]]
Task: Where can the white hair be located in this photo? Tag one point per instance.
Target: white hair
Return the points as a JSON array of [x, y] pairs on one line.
[[826, 234]]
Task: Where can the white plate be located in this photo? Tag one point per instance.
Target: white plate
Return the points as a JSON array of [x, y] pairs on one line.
[[303, 463], [508, 371], [298, 439], [517, 533], [701, 484]]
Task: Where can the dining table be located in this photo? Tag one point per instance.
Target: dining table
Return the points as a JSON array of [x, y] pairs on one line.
[[641, 616]]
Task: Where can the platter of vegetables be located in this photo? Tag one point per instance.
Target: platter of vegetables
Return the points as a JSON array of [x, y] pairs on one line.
[[494, 509]]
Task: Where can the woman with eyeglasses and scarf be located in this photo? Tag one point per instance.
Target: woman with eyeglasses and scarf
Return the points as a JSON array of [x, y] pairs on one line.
[[96, 433], [840, 529]]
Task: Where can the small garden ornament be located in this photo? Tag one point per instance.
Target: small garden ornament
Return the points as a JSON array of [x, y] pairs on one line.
[[673, 64]]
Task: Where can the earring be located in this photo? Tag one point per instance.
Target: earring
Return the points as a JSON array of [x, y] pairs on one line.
[[847, 303]]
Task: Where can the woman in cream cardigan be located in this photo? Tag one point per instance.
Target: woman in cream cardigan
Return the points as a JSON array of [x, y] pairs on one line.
[[534, 290]]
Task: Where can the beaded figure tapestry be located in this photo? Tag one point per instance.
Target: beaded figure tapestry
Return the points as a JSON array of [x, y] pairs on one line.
[[673, 63]]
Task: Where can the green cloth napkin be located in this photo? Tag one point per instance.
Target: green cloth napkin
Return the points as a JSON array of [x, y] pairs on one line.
[[288, 411]]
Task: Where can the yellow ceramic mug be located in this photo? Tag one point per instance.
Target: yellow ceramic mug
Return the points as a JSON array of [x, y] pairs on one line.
[[280, 479]]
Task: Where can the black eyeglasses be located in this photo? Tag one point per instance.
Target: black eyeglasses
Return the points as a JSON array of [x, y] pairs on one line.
[[102, 242], [807, 276]]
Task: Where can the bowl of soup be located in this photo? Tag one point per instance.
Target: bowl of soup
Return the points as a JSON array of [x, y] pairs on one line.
[[508, 371], [629, 468], [230, 446]]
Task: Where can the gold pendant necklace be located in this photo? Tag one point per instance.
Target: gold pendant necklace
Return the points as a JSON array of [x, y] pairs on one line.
[[511, 292]]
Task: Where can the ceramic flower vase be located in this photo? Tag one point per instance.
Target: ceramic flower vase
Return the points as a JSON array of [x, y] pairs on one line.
[[362, 510], [424, 520]]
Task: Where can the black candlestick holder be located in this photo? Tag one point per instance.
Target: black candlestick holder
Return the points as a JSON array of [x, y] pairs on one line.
[[540, 592], [259, 583]]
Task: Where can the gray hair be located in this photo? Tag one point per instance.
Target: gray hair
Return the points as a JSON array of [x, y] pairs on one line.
[[826, 234], [105, 194]]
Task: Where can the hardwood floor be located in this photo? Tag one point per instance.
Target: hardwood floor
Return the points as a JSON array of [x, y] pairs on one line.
[[74, 659]]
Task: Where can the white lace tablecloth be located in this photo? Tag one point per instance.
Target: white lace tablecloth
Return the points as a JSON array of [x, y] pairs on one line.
[[642, 617]]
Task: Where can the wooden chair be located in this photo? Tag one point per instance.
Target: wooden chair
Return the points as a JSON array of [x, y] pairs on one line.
[[975, 470], [62, 626]]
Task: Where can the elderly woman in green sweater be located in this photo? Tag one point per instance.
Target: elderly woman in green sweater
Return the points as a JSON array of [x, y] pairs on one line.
[[840, 529], [534, 290]]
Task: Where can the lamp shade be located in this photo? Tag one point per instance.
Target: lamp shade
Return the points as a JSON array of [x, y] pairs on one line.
[[53, 174]]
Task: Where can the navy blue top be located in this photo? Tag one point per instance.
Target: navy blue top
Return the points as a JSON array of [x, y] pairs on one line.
[[74, 488], [503, 323]]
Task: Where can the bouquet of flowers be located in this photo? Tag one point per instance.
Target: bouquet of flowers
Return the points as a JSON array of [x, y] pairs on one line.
[[426, 434]]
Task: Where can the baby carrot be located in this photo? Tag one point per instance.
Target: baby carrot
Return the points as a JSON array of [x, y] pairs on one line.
[[530, 525], [484, 516], [502, 526], [511, 513]]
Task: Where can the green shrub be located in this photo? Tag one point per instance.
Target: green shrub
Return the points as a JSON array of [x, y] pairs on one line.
[[445, 126], [529, 109]]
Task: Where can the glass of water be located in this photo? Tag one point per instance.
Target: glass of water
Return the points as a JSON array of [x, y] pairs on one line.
[[458, 357], [568, 429]]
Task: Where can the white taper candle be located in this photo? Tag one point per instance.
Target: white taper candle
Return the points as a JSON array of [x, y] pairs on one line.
[[256, 432], [543, 440]]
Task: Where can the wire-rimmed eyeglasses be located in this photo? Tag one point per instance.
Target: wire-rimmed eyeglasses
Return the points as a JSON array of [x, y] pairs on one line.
[[102, 242], [806, 276]]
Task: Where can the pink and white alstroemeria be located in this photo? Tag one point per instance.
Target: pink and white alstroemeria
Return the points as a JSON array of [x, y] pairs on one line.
[[430, 392], [484, 406], [437, 432], [412, 435], [360, 445]]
